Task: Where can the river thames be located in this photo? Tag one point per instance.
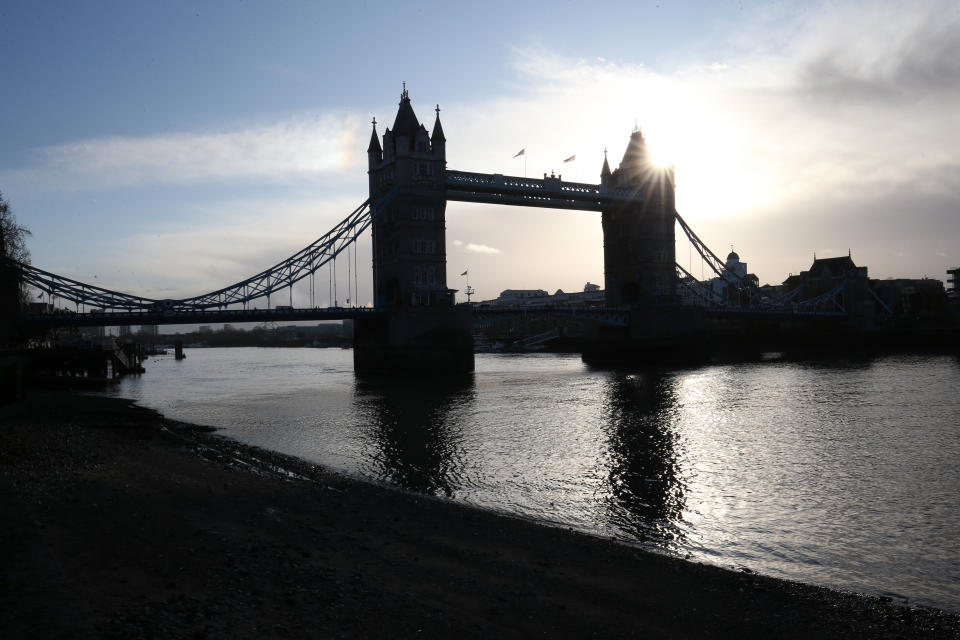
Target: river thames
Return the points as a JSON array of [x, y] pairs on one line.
[[842, 473]]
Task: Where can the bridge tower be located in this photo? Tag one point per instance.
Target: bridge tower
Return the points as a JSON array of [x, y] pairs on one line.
[[423, 328], [409, 255], [639, 257], [638, 235]]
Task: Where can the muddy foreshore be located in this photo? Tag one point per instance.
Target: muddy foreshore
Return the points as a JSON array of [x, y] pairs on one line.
[[119, 523]]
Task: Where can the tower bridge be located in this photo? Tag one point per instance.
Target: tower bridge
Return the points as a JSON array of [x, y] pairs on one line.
[[415, 323]]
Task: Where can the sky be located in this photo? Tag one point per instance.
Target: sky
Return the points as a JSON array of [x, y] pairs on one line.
[[169, 149]]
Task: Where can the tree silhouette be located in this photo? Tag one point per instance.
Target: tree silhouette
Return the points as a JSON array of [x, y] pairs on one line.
[[13, 247]]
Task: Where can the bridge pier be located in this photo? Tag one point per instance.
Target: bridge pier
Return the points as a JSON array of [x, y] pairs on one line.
[[656, 334], [415, 339], [422, 329]]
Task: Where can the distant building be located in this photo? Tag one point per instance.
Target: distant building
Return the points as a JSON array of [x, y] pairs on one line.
[[953, 290], [842, 275], [825, 274], [908, 297], [520, 296], [727, 288], [204, 329], [591, 295]]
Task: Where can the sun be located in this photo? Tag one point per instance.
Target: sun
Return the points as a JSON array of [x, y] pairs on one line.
[[663, 153]]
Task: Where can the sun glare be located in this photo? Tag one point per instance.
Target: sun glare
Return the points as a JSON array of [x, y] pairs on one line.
[[661, 155]]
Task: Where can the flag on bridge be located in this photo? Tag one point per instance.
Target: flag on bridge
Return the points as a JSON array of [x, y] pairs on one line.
[[571, 158], [464, 273], [521, 152]]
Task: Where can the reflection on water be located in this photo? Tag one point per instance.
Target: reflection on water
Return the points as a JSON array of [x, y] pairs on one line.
[[644, 458], [414, 442], [834, 472]]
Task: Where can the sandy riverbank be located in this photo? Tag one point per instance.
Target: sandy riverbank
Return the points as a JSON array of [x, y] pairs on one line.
[[118, 523]]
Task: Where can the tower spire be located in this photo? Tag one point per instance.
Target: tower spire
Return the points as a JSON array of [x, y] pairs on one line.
[[437, 135], [374, 139]]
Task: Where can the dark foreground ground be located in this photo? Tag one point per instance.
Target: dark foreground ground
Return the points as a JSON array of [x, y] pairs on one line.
[[118, 523]]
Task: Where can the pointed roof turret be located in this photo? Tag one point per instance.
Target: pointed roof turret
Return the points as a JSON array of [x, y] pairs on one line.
[[374, 140], [406, 123], [605, 171], [437, 129], [636, 154]]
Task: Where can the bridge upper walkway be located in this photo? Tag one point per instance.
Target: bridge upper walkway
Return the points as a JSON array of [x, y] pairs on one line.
[[550, 192]]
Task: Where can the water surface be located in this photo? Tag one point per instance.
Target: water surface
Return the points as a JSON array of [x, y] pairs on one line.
[[840, 473]]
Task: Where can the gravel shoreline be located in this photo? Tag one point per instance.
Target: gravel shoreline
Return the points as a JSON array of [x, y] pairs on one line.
[[120, 523]]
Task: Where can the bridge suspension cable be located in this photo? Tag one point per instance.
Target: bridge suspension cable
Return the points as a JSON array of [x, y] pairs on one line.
[[754, 295], [283, 274]]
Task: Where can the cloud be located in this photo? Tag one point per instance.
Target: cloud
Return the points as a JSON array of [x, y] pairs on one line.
[[295, 149], [472, 247], [809, 134], [812, 135], [225, 241]]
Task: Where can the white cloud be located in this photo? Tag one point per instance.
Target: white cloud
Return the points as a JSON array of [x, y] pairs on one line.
[[809, 135], [812, 135], [226, 242], [472, 247], [297, 148]]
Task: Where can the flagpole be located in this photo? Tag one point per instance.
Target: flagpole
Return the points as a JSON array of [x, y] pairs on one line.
[[468, 291], [522, 152]]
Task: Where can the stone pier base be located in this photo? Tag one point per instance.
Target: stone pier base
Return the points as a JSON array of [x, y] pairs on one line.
[[656, 335], [415, 339]]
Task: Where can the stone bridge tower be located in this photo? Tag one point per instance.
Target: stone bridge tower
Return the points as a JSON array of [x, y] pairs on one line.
[[409, 252], [639, 246], [422, 330]]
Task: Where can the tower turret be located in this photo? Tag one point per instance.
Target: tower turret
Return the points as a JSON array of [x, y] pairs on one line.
[[374, 151], [438, 141], [605, 170]]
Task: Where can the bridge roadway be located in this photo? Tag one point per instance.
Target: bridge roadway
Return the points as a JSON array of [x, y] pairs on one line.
[[482, 314], [226, 316]]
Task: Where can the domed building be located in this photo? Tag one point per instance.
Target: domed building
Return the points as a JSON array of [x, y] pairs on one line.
[[726, 288]]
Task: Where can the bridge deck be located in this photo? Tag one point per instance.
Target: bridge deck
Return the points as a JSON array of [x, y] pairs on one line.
[[550, 192], [120, 318], [607, 315]]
